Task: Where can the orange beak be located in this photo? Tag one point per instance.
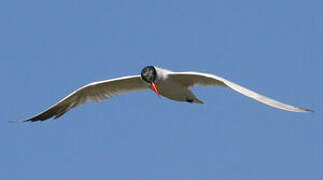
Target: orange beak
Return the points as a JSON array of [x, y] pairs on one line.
[[155, 88]]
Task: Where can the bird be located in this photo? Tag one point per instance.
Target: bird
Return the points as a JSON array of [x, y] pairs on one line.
[[172, 85]]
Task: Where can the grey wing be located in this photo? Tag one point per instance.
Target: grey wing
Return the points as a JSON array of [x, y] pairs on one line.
[[202, 79], [93, 92]]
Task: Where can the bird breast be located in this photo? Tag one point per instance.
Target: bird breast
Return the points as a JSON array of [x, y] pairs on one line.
[[173, 90]]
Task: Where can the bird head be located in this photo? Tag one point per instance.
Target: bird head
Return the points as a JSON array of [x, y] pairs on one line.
[[149, 75]]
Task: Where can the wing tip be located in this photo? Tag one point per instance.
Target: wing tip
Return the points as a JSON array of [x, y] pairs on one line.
[[197, 101], [308, 110], [18, 121], [33, 119], [302, 110]]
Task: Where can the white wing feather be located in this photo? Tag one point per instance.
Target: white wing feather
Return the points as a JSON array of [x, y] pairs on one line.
[[190, 79], [93, 92]]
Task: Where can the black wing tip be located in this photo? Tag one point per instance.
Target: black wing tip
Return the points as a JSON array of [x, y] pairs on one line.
[[35, 119], [27, 120], [18, 121], [22, 121], [309, 110]]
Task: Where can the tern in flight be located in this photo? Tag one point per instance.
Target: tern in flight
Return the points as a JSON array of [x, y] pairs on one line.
[[172, 85]]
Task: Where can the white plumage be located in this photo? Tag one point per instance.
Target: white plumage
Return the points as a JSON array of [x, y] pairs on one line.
[[172, 85]]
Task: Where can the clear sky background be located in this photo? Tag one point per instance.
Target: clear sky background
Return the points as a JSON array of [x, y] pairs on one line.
[[50, 48]]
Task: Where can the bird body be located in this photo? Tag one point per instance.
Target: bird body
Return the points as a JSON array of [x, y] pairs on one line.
[[172, 85], [172, 89]]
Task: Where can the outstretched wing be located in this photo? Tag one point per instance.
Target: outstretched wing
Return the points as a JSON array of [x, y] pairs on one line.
[[93, 92], [190, 79]]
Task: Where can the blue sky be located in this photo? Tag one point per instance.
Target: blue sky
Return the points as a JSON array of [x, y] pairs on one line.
[[50, 48]]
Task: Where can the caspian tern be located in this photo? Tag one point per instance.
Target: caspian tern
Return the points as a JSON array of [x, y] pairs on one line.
[[172, 85]]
